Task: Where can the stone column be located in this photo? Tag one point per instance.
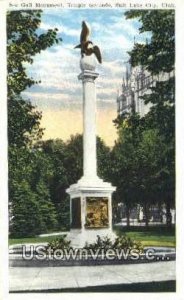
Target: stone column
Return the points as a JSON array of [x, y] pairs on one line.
[[88, 76], [89, 124], [90, 197]]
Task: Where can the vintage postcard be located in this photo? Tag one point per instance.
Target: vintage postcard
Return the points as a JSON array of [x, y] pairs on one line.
[[89, 151]]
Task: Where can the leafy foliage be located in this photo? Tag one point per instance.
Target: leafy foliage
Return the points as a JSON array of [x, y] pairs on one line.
[[60, 243], [32, 210], [145, 150], [105, 243], [25, 184], [48, 169], [24, 42], [138, 158], [120, 242], [23, 122], [159, 54], [67, 169], [26, 216]]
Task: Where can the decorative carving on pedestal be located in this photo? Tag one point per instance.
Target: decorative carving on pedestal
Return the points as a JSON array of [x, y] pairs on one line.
[[97, 212]]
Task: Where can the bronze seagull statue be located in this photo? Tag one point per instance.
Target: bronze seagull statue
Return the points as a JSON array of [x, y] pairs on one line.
[[87, 47]]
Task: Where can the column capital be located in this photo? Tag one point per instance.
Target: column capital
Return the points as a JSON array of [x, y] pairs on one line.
[[88, 76]]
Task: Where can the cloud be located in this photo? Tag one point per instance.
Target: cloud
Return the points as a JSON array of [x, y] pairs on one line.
[[113, 67], [127, 26], [61, 29], [57, 71], [58, 66], [108, 38]]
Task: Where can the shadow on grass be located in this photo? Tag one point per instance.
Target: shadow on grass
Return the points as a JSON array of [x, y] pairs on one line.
[[152, 287], [157, 229]]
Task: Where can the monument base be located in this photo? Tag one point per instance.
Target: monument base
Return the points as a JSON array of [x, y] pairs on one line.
[[79, 238], [90, 211]]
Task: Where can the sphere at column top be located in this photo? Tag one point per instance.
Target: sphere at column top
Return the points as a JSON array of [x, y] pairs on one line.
[[88, 63]]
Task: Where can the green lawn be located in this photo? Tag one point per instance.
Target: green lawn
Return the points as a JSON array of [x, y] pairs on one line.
[[151, 239], [33, 240], [157, 236], [148, 237]]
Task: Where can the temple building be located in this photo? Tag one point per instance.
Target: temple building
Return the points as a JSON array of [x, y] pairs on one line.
[[137, 82]]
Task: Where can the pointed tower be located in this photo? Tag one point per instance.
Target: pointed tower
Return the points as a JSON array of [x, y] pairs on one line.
[[127, 76]]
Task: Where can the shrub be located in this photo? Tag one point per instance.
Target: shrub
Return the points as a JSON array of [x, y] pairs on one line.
[[105, 243], [59, 243], [122, 242]]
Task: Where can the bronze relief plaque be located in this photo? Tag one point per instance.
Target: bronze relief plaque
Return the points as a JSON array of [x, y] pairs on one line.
[[97, 212]]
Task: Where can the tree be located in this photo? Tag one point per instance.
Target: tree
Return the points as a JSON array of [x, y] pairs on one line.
[[67, 167], [31, 173], [23, 43], [103, 160], [26, 219], [137, 157], [56, 153], [28, 191], [73, 160], [47, 210], [33, 212], [158, 57], [149, 156], [125, 165], [23, 123]]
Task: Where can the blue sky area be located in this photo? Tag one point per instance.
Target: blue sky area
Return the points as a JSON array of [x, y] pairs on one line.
[[58, 67]]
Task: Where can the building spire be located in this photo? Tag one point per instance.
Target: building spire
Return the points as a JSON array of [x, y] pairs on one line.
[[127, 76], [123, 84]]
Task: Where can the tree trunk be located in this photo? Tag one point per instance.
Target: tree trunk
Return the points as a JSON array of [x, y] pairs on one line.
[[128, 215], [168, 214], [146, 213]]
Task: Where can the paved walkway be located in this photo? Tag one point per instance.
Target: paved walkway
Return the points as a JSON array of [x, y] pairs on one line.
[[29, 279]]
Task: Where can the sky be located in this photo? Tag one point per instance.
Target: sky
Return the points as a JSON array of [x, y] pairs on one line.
[[59, 95]]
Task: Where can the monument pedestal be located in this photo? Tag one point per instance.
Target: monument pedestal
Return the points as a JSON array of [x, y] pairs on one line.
[[90, 211], [90, 197]]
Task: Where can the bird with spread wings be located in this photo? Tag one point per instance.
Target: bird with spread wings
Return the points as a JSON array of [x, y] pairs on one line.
[[86, 46]]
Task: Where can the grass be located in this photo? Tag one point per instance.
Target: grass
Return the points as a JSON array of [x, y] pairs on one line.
[[152, 239], [33, 240], [157, 236]]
